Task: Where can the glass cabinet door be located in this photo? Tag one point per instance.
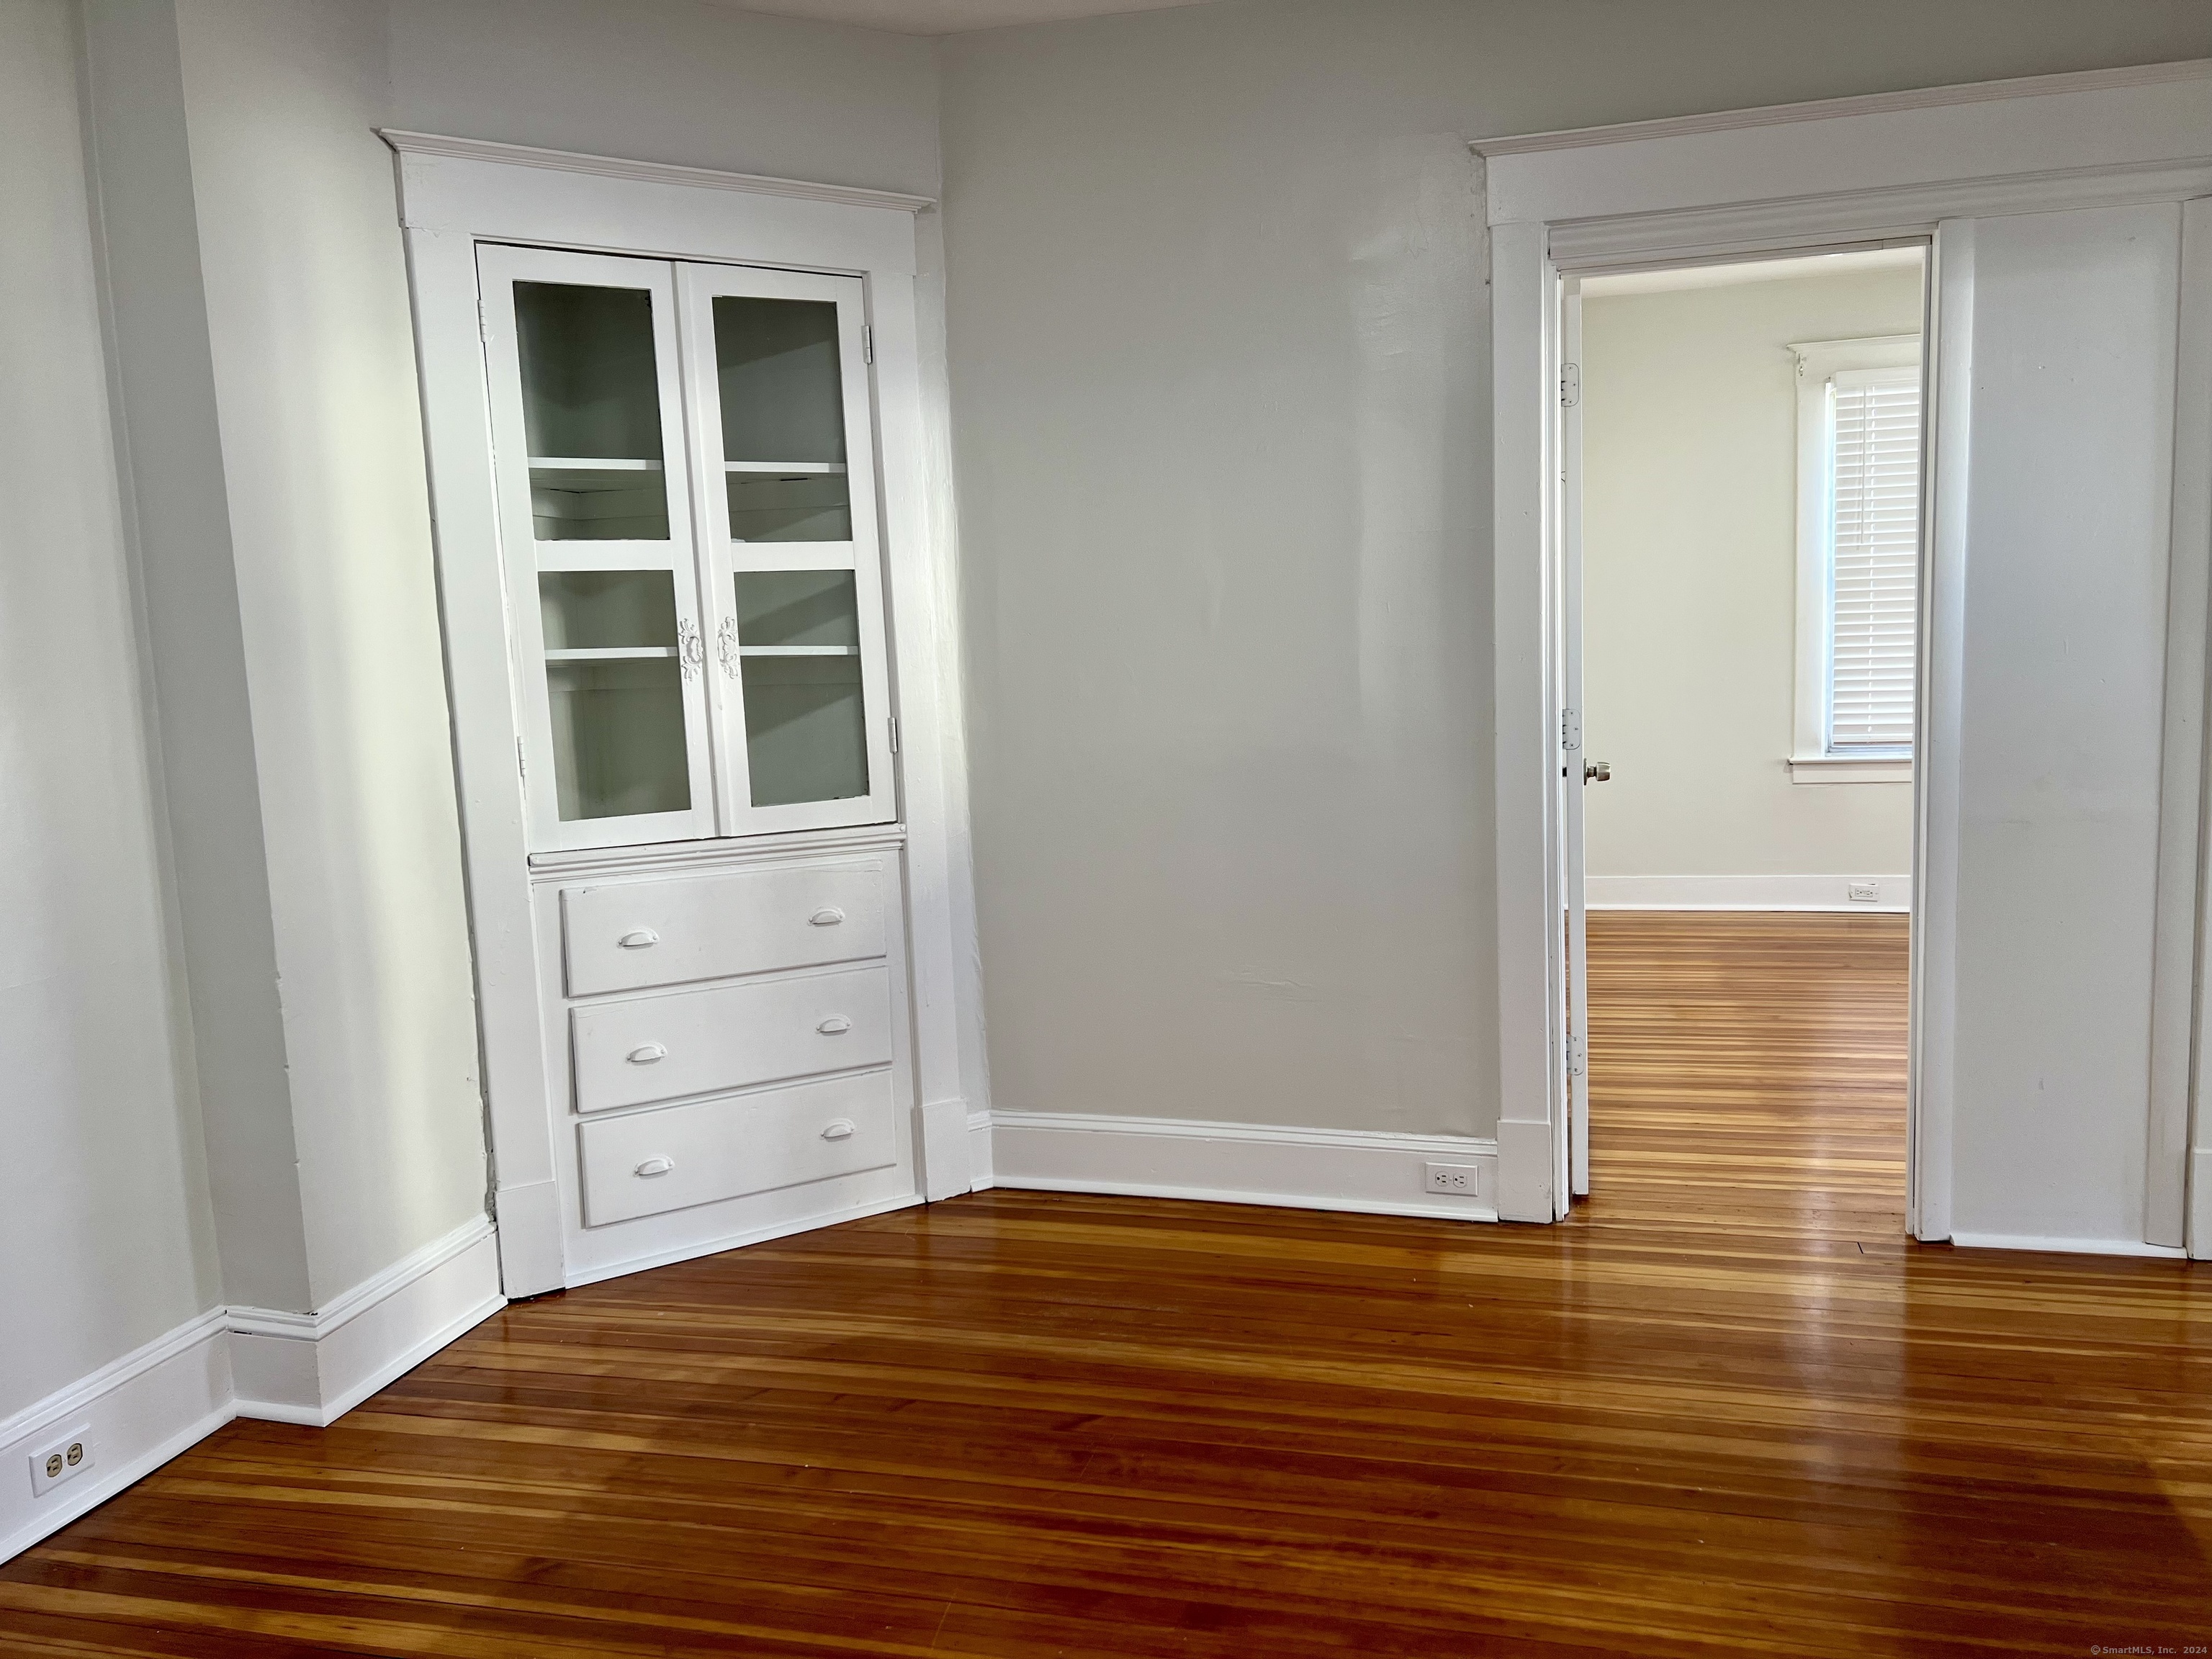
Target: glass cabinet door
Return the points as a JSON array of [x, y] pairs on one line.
[[588, 438], [784, 464]]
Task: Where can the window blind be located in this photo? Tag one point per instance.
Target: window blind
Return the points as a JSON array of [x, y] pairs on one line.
[[1876, 568]]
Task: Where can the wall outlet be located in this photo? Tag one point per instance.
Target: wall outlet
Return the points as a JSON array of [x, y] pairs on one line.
[[1864, 892], [62, 1460], [1463, 1180]]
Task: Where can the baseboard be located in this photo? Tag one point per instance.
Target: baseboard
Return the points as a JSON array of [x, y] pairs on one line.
[[2200, 1203], [982, 1172], [1745, 893], [1376, 1172], [141, 1409], [2065, 1246], [941, 1138], [314, 1368]]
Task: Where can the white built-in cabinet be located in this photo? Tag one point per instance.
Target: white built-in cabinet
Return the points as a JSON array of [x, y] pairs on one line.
[[681, 488]]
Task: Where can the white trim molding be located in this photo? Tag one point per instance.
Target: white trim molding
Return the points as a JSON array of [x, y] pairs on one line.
[[1853, 173], [1892, 894], [1848, 769], [314, 1368], [142, 1410], [2067, 1246], [1374, 1172]]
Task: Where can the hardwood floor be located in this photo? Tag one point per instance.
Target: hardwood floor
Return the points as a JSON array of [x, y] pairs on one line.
[[1726, 1408]]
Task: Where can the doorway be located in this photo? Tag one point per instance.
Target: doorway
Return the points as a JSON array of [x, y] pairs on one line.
[[1742, 492]]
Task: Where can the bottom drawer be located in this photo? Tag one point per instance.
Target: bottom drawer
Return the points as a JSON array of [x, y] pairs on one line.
[[679, 1156]]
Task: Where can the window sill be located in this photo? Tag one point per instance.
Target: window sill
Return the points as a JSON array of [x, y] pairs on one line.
[[1849, 769]]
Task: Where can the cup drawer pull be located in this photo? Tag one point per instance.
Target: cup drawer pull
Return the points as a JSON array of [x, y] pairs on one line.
[[835, 1025], [828, 916], [839, 1129], [638, 938], [646, 1054], [656, 1166]]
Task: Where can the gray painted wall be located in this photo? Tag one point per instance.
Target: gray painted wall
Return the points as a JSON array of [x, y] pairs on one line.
[[1220, 373]]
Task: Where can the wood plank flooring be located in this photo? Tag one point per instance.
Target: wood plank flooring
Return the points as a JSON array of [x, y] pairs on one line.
[[1726, 1409]]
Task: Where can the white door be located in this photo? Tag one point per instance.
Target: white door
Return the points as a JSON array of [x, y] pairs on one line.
[[783, 474], [595, 533], [1575, 772]]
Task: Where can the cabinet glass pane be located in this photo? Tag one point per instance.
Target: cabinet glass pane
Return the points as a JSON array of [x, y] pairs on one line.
[[606, 609], [783, 420], [591, 397], [618, 736], [799, 639]]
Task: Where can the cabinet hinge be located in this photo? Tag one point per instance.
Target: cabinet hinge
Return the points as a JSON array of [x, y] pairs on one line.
[[483, 321], [892, 722], [1571, 728], [868, 343], [522, 765], [1578, 1056], [1571, 384]]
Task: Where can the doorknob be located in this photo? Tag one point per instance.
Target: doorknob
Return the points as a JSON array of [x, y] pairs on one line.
[[1598, 772]]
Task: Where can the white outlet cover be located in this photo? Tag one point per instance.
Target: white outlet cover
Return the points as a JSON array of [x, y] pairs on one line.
[[41, 1481], [1458, 1180], [1864, 892]]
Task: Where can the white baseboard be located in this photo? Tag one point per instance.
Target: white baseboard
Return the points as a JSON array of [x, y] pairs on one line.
[[2066, 1246], [1376, 1172], [141, 1409], [1745, 893], [314, 1368], [982, 1169], [941, 1138]]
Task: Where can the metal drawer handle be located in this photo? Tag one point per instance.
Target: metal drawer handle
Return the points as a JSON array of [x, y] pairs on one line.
[[835, 1025], [656, 1166], [828, 916], [638, 939], [647, 1055], [838, 1129]]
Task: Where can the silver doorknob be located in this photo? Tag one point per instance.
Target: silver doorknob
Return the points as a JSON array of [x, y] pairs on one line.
[[1598, 772]]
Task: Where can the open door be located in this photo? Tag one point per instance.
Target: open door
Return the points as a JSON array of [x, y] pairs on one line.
[[1575, 772]]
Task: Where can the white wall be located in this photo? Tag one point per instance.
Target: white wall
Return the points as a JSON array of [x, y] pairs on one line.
[[1689, 602], [106, 1238], [1220, 382]]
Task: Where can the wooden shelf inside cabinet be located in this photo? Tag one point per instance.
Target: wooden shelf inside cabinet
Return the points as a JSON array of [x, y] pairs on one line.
[[798, 650], [590, 464], [793, 468], [613, 654]]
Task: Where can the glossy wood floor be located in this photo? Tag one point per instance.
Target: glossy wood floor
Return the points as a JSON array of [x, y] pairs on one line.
[[1727, 1408]]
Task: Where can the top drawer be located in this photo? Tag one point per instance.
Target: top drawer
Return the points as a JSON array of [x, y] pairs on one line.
[[627, 935]]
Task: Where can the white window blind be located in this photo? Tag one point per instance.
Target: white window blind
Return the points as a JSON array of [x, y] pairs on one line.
[[1875, 562]]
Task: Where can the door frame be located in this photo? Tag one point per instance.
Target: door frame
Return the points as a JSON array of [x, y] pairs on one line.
[[456, 193], [1775, 181]]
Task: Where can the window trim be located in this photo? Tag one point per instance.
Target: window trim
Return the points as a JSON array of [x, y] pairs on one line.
[[1818, 362]]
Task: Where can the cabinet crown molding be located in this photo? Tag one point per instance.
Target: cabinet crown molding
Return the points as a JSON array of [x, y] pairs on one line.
[[664, 173]]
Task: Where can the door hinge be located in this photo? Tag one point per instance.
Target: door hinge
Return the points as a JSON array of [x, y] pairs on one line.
[[1570, 729], [483, 321], [868, 343], [521, 765], [892, 721], [1578, 1056], [1571, 384]]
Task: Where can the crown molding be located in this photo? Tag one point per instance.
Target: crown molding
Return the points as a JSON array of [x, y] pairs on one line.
[[662, 173], [1829, 109]]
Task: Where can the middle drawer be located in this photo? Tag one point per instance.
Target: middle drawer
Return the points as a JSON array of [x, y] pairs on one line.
[[693, 1043]]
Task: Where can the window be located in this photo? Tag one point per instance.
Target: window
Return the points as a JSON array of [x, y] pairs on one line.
[[1859, 558]]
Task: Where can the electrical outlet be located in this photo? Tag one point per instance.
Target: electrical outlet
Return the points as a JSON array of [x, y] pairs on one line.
[[1463, 1180], [63, 1460], [1864, 892]]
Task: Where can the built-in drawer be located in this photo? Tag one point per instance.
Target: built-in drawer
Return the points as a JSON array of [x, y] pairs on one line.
[[669, 1159], [726, 1036], [627, 935]]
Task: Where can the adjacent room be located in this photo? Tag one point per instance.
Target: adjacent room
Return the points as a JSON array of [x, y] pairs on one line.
[[1105, 828]]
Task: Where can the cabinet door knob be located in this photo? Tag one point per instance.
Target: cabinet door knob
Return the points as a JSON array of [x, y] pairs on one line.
[[838, 1129], [835, 1025], [647, 1054], [638, 938], [656, 1166], [828, 916]]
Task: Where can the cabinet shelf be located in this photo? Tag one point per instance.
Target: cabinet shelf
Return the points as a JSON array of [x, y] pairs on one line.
[[589, 464], [613, 653], [818, 469], [798, 650]]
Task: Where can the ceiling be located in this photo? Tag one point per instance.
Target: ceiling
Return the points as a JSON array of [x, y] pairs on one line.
[[1729, 273], [948, 16]]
